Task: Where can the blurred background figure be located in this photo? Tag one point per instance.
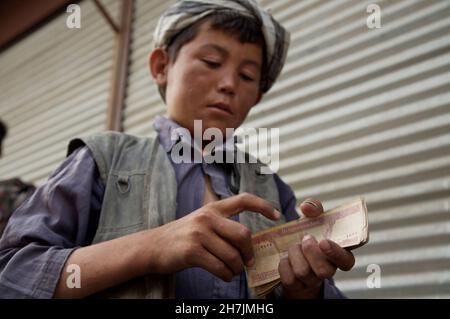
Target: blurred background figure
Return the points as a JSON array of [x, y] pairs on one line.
[[12, 191], [3, 131]]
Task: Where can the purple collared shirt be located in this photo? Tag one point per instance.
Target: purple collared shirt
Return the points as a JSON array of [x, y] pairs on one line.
[[62, 215]]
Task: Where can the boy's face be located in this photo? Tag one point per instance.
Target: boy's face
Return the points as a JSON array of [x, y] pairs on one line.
[[215, 78]]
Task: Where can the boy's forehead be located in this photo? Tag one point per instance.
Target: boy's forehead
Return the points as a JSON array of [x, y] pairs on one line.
[[205, 27]]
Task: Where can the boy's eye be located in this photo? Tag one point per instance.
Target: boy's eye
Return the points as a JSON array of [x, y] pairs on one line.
[[247, 78], [211, 64]]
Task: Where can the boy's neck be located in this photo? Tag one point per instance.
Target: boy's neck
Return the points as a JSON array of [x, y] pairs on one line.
[[204, 142]]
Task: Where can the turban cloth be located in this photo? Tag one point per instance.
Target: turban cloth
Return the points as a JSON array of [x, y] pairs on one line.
[[185, 13]]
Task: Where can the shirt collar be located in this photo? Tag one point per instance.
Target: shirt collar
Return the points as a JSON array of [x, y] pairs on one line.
[[164, 127], [169, 135]]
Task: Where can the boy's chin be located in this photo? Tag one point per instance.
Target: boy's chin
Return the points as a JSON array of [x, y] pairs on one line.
[[221, 126], [212, 126]]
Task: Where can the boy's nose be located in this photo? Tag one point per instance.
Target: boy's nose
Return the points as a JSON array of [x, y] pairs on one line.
[[227, 83]]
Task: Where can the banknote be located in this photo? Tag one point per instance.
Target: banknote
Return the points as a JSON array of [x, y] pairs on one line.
[[347, 225]]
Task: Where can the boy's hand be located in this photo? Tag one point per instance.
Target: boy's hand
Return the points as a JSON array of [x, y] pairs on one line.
[[206, 238], [303, 271]]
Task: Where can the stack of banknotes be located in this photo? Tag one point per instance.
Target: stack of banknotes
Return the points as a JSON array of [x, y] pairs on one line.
[[347, 225]]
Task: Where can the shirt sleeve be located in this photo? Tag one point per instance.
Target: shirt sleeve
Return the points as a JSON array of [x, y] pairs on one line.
[[288, 203], [59, 217]]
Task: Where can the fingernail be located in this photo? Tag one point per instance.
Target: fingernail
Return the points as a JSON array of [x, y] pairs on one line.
[[277, 214], [307, 238], [325, 246], [311, 203]]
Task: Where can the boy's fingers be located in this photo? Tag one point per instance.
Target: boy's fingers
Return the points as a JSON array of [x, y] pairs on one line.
[[343, 259], [214, 265], [300, 266], [227, 253], [317, 259], [311, 207], [237, 235], [246, 202], [287, 275]]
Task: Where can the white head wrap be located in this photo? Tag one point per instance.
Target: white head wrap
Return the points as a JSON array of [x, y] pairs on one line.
[[184, 13]]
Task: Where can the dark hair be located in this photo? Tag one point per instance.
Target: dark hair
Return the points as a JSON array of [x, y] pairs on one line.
[[242, 28]]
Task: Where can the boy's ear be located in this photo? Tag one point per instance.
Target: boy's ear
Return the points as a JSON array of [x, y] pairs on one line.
[[158, 64]]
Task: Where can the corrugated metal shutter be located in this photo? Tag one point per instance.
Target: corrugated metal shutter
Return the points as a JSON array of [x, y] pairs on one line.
[[361, 112], [143, 101], [54, 85], [367, 112]]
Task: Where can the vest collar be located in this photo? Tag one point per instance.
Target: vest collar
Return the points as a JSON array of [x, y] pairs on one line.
[[169, 136]]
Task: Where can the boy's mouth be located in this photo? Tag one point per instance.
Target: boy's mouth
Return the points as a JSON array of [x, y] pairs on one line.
[[222, 106]]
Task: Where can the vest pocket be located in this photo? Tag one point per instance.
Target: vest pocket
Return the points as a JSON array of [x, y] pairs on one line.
[[125, 204], [123, 184]]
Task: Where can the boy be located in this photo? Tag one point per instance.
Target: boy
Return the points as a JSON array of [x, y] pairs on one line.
[[138, 224]]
